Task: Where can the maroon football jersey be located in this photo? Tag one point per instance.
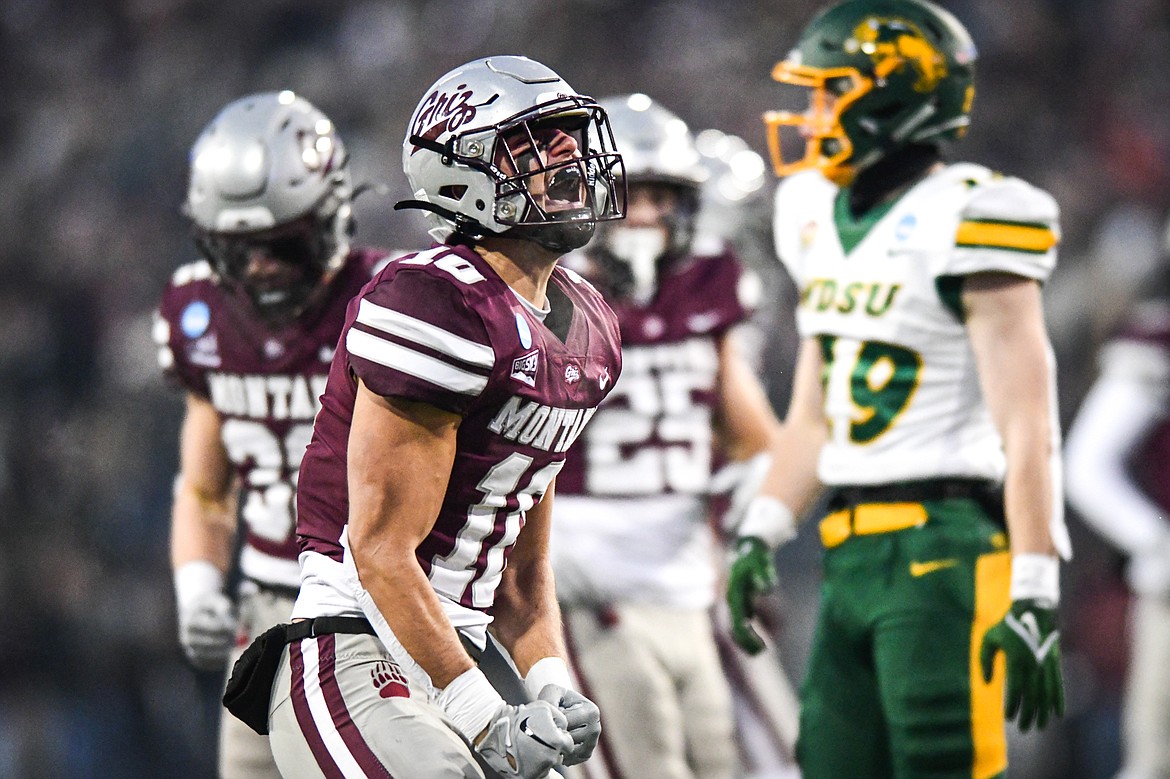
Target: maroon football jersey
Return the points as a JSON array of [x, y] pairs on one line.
[[266, 385], [653, 434], [443, 328], [1150, 462]]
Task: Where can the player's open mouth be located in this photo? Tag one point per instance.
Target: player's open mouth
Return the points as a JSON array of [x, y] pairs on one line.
[[565, 188]]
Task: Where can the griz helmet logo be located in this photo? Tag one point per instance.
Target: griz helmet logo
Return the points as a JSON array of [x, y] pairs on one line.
[[442, 112]]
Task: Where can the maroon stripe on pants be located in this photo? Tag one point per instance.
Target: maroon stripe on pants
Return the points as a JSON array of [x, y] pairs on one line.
[[365, 757], [305, 717], [608, 759]]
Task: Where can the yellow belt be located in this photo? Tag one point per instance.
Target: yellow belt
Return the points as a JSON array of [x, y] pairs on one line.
[[870, 518]]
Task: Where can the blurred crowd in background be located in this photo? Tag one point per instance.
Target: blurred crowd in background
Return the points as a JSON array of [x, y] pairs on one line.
[[101, 103]]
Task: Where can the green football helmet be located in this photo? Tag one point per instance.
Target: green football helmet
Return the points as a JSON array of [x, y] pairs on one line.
[[881, 74]]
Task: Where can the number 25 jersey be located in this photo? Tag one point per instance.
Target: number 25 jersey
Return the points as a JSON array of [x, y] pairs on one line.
[[881, 297]]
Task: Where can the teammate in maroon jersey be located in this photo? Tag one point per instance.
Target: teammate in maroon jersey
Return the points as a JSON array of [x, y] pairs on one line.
[[1118, 456], [463, 375], [634, 552], [249, 332]]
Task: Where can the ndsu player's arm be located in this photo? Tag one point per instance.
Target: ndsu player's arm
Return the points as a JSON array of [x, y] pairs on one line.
[[744, 424], [792, 478], [1005, 324], [203, 518], [400, 458], [527, 617]]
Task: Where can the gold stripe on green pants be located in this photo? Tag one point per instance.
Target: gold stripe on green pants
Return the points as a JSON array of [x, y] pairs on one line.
[[893, 688]]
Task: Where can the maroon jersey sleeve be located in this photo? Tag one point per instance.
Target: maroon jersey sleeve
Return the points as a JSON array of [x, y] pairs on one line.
[[721, 283], [186, 343], [415, 337]]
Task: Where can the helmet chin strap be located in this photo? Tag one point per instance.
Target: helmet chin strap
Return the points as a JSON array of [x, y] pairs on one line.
[[639, 248]]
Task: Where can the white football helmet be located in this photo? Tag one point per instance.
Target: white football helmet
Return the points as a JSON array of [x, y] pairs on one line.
[[657, 148], [270, 173], [468, 155]]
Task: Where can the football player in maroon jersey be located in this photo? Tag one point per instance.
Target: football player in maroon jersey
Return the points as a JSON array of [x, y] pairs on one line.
[[463, 374], [1118, 457], [634, 552], [248, 332]]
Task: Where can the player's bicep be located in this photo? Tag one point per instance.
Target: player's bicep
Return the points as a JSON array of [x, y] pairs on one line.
[[1005, 324], [394, 500]]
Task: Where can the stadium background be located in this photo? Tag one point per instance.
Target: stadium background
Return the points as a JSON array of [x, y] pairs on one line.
[[101, 103]]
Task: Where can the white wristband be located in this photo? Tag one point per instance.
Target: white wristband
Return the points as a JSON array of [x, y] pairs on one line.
[[1036, 577], [546, 671], [470, 702], [769, 519], [194, 580]]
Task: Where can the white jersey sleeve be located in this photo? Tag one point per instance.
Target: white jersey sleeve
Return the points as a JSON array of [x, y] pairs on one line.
[[1005, 225], [800, 204]]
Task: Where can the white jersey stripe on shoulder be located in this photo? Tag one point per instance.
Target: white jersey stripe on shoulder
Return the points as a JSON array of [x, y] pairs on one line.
[[322, 718], [425, 334], [421, 366]]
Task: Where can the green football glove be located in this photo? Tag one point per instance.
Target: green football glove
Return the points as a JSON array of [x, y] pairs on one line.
[[1030, 642], [752, 574]]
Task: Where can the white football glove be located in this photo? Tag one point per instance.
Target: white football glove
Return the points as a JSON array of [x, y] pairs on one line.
[[583, 718], [525, 741], [207, 621]]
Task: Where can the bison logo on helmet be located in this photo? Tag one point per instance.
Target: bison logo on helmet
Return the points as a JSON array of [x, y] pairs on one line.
[[894, 44]]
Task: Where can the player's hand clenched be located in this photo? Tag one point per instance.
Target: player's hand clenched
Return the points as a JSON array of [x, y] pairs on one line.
[[525, 741], [207, 631], [582, 717]]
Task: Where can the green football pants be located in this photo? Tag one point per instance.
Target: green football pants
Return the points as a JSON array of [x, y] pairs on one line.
[[894, 689]]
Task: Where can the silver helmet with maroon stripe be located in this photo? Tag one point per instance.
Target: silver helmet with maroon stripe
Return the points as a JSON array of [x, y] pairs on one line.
[[503, 146], [270, 199]]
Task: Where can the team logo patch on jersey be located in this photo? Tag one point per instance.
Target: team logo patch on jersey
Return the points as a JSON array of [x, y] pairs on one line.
[[205, 351], [572, 374], [524, 331], [905, 226], [603, 379], [808, 234], [524, 367], [195, 319]]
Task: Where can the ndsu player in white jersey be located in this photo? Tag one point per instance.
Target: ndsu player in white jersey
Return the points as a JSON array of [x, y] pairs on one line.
[[635, 552], [463, 374], [248, 332], [923, 399]]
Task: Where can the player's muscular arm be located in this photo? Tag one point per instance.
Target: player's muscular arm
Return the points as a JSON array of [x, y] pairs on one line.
[[400, 457], [527, 617], [203, 518], [1005, 323], [745, 423]]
